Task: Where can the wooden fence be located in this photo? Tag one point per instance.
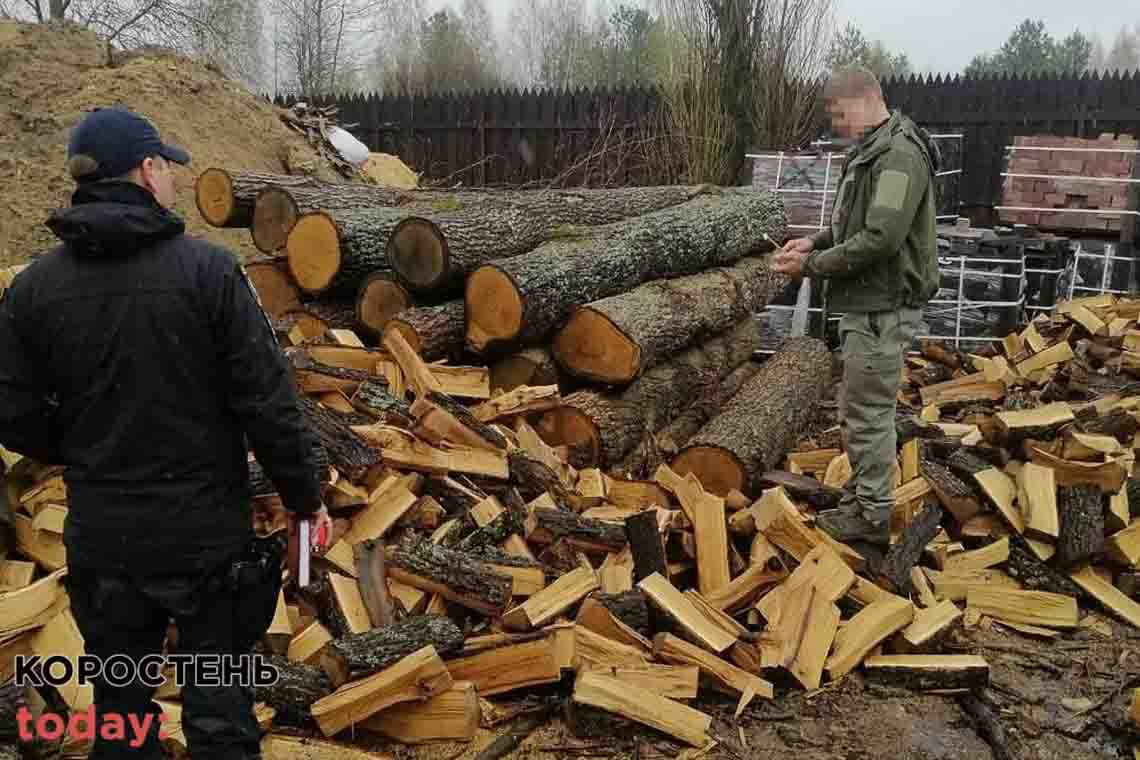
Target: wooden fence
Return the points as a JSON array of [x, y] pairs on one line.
[[607, 137]]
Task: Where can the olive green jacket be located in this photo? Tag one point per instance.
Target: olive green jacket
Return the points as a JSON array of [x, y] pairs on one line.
[[881, 250]]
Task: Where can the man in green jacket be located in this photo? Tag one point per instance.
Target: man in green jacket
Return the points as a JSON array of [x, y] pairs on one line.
[[879, 258]]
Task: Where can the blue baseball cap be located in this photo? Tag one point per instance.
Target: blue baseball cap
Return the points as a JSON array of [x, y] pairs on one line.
[[109, 142]]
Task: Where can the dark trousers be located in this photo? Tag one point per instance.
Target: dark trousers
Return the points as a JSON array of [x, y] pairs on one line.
[[125, 614]]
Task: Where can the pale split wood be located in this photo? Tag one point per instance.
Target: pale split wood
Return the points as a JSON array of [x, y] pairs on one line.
[[673, 603], [610, 694], [556, 598], [873, 624], [1031, 607]]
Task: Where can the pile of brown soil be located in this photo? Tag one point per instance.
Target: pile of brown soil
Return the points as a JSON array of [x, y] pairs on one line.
[[50, 75]]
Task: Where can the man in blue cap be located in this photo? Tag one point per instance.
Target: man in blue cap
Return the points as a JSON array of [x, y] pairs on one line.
[[138, 357]]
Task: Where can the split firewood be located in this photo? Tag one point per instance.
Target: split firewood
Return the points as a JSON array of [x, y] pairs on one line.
[[363, 654]]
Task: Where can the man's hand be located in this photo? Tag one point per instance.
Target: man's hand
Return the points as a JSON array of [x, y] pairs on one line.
[[790, 263], [799, 245], [322, 528]]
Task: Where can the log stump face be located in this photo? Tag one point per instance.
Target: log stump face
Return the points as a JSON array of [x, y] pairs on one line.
[[274, 215], [593, 347], [380, 299], [498, 311], [418, 253], [214, 196], [718, 469], [314, 252], [573, 428]]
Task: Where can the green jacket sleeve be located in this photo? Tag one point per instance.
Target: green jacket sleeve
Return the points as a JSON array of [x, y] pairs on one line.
[[823, 239], [899, 180]]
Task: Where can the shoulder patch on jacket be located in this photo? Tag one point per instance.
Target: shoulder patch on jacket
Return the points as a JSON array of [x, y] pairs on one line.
[[891, 190]]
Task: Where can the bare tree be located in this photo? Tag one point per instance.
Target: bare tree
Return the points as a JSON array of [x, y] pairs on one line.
[[550, 40], [319, 41], [397, 66]]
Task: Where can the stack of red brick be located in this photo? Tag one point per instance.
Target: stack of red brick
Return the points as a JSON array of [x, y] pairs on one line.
[[1059, 193]]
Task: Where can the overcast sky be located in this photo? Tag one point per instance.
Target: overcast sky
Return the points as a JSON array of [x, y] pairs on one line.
[[944, 36]]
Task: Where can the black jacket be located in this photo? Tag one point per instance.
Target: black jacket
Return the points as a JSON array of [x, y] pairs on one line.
[[139, 358]]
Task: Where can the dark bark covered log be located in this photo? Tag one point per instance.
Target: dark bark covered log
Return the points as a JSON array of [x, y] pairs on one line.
[[630, 608], [372, 398], [1133, 487], [646, 545], [904, 555], [909, 427], [481, 226], [379, 298], [492, 534], [363, 654], [277, 209], [11, 699], [584, 532], [433, 332], [453, 575], [955, 494], [523, 298], [468, 420], [762, 422], [1082, 524], [803, 487], [227, 199], [980, 708], [320, 595], [615, 339], [346, 450], [1117, 423], [944, 450], [1035, 575], [964, 464], [298, 686], [275, 289], [334, 251], [338, 314], [533, 478], [452, 498], [970, 676], [618, 422]]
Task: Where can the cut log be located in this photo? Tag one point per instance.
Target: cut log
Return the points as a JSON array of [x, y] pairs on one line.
[[726, 677], [1082, 524], [378, 299], [556, 598], [1037, 491], [1124, 546], [929, 672], [226, 199], [1108, 476], [452, 715], [347, 452], [762, 421], [524, 298], [399, 448], [551, 525], [803, 488], [596, 617], [333, 251], [440, 420], [872, 625], [669, 681], [646, 545], [1035, 575], [991, 555], [338, 600], [528, 366], [452, 575], [930, 624], [1042, 423], [615, 339], [613, 424], [381, 514], [363, 654], [308, 645], [276, 292], [597, 650], [434, 332], [504, 669], [1108, 596], [957, 497], [641, 705], [297, 688], [417, 677], [957, 586], [673, 603], [744, 588], [629, 607], [1030, 607], [905, 554], [374, 399]]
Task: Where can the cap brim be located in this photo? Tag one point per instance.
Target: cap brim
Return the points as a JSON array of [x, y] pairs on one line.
[[175, 154]]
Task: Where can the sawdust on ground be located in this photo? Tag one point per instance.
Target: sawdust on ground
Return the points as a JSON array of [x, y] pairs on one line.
[[51, 74]]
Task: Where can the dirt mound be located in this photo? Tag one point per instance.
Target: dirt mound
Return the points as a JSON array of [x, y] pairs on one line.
[[50, 75]]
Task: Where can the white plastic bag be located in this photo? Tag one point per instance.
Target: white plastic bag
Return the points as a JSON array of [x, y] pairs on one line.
[[354, 151]]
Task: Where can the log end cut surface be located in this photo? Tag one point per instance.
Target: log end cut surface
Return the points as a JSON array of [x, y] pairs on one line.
[[573, 428], [277, 292], [494, 308], [314, 252], [417, 251], [214, 195], [381, 298], [592, 347], [718, 469], [274, 214]]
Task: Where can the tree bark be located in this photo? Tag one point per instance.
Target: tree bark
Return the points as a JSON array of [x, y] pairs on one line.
[[277, 209], [363, 654], [556, 524], [227, 199], [522, 299], [761, 423], [334, 251], [452, 574], [11, 698], [1035, 575], [614, 340], [482, 226], [645, 545], [611, 424], [905, 554], [298, 686], [372, 398], [630, 608], [337, 314], [346, 450], [434, 332], [1082, 524], [819, 495]]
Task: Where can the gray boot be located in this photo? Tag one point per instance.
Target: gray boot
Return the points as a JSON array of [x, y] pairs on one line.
[[848, 529]]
